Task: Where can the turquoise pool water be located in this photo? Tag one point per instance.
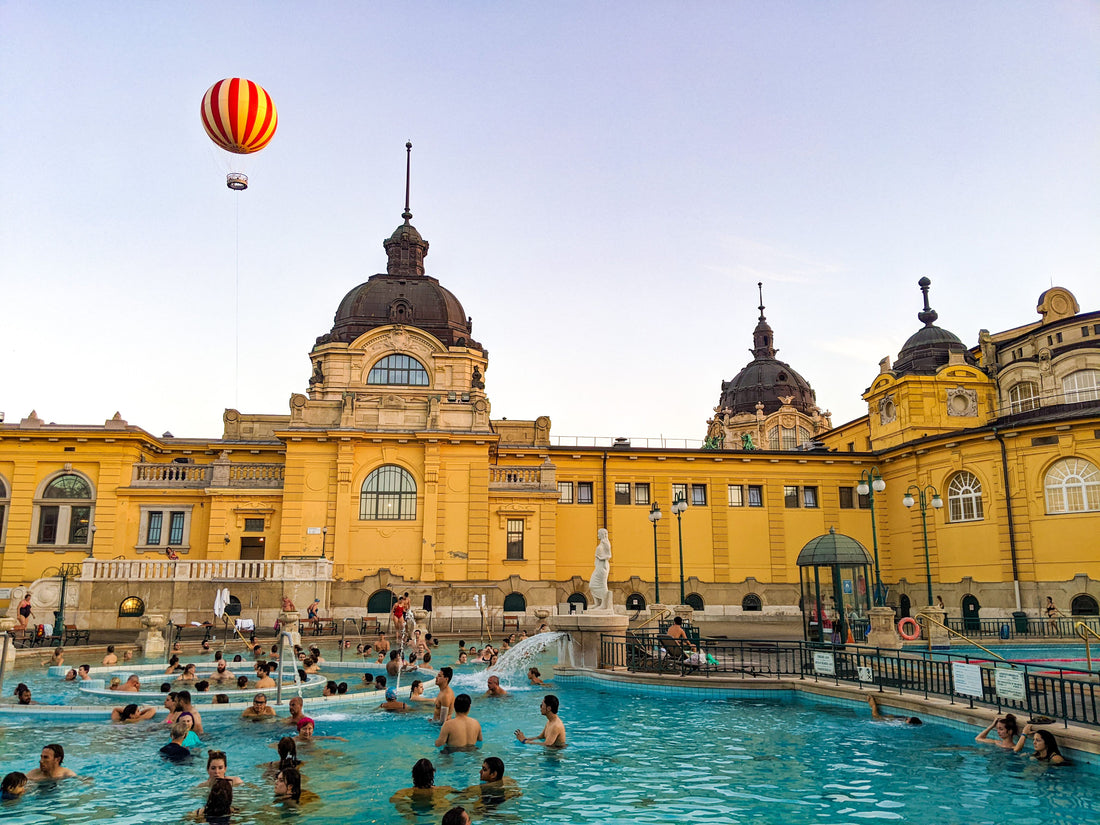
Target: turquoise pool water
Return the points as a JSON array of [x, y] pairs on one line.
[[631, 759]]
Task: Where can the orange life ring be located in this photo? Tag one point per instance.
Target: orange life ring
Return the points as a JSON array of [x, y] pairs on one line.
[[909, 621]]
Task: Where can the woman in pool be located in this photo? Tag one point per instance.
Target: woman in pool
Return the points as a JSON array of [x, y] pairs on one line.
[[461, 658], [215, 771], [416, 693], [219, 803], [1046, 746], [305, 732], [288, 786], [1007, 731], [132, 713], [188, 674], [173, 665], [191, 740], [534, 676], [424, 788]]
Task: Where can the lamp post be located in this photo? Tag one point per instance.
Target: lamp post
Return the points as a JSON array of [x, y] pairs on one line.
[[91, 544], [324, 538], [678, 507], [871, 482], [936, 503], [654, 517]]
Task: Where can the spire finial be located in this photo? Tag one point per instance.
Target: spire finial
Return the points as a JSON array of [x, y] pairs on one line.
[[928, 315], [407, 215], [760, 289]]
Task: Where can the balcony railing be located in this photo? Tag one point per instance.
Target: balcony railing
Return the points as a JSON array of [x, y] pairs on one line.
[[541, 478], [172, 475], [134, 570], [219, 473]]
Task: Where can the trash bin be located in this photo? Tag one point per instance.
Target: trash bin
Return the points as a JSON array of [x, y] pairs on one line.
[[1020, 618]]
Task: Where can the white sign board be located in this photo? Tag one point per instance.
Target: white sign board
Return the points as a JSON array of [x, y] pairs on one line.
[[823, 664], [1010, 684], [313, 531], [5, 592], [968, 679], [865, 674]]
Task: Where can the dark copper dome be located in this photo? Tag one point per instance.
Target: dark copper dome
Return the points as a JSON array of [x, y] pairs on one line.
[[930, 347], [766, 380]]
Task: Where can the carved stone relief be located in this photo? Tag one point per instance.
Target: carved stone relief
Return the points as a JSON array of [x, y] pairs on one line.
[[887, 409], [962, 402]]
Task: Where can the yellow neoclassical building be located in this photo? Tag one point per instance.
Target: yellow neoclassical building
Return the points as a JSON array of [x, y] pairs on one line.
[[389, 474]]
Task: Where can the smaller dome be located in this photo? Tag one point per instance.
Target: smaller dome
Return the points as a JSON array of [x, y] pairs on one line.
[[833, 548], [929, 348]]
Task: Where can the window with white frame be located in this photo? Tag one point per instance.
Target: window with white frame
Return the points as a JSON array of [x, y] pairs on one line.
[[1023, 397], [1072, 485], [641, 494], [164, 525], [809, 497], [698, 495], [515, 539], [63, 511], [735, 495], [964, 498], [584, 492], [388, 494], [1083, 385]]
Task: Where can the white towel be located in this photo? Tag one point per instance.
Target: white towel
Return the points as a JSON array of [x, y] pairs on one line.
[[245, 624]]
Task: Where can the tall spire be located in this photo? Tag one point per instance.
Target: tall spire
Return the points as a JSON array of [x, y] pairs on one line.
[[407, 215], [405, 248], [928, 315], [762, 337]]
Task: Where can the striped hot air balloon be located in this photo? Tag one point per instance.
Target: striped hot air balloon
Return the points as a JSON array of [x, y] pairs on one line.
[[240, 117]]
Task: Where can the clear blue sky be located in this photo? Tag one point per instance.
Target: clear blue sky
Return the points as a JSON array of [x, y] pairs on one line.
[[602, 185]]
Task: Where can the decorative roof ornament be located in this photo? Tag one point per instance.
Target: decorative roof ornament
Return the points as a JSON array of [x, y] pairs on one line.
[[405, 248], [927, 316]]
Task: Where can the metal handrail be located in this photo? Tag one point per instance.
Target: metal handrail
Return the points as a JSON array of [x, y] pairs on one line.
[[1084, 631], [344, 632], [961, 636], [665, 611]]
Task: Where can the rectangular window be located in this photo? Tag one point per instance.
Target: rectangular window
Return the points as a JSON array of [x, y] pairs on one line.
[[679, 491], [175, 527], [251, 525], [641, 494], [756, 495], [78, 525], [584, 492], [622, 493], [152, 534], [790, 438], [699, 495], [47, 524], [790, 497], [736, 495], [1059, 337], [809, 497], [515, 539], [865, 502], [565, 492], [1084, 332], [847, 502]]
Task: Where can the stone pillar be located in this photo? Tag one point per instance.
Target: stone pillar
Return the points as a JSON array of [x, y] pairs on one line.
[[883, 633], [289, 622], [151, 640], [935, 632], [585, 630], [684, 611], [7, 625]]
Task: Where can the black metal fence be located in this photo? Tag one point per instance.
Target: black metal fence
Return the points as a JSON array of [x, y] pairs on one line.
[[1066, 693], [1023, 627]]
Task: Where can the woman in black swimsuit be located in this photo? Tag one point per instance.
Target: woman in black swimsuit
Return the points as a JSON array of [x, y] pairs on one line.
[[24, 612]]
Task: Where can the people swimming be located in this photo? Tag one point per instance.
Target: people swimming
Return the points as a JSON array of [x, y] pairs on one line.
[[1007, 731], [1044, 744], [878, 716]]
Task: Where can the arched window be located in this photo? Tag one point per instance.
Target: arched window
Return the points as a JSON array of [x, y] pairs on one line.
[[402, 370], [751, 603], [1023, 397], [1084, 605], [380, 601], [131, 607], [635, 601], [1083, 385], [515, 603], [5, 500], [1072, 486], [694, 601], [579, 600], [964, 498], [388, 494], [63, 512]]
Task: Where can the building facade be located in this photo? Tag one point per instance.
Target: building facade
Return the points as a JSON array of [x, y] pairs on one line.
[[388, 474]]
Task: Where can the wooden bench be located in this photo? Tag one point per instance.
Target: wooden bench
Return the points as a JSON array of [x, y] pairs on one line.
[[75, 636], [371, 625], [207, 629], [511, 622]]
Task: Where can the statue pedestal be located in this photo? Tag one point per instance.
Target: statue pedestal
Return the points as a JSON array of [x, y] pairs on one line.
[[7, 626], [684, 611], [151, 640], [883, 634], [584, 631], [937, 635], [290, 622]]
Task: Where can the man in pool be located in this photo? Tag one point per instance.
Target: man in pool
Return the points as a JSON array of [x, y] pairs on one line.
[[183, 705], [382, 644], [131, 685], [495, 787], [84, 672], [446, 698], [553, 734], [49, 765], [494, 688], [393, 666], [884, 717], [295, 710], [264, 679], [259, 709], [110, 658], [222, 673], [460, 731]]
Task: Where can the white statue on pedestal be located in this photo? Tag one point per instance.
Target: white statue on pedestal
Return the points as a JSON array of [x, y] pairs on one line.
[[598, 585]]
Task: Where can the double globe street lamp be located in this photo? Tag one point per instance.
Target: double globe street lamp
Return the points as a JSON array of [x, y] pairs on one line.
[[871, 482], [678, 507], [654, 517], [926, 495]]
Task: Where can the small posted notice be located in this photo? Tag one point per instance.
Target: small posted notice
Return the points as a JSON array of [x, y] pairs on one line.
[[824, 665], [968, 679], [865, 674], [1010, 684]]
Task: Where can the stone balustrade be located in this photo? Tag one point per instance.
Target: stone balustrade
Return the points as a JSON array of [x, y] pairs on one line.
[[171, 475], [541, 478], [137, 570], [220, 473]]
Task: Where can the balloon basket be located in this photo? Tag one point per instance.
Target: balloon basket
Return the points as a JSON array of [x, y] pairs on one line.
[[236, 181]]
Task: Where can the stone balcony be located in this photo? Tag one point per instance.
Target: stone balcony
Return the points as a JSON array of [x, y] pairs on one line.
[[138, 570], [219, 473], [542, 478]]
